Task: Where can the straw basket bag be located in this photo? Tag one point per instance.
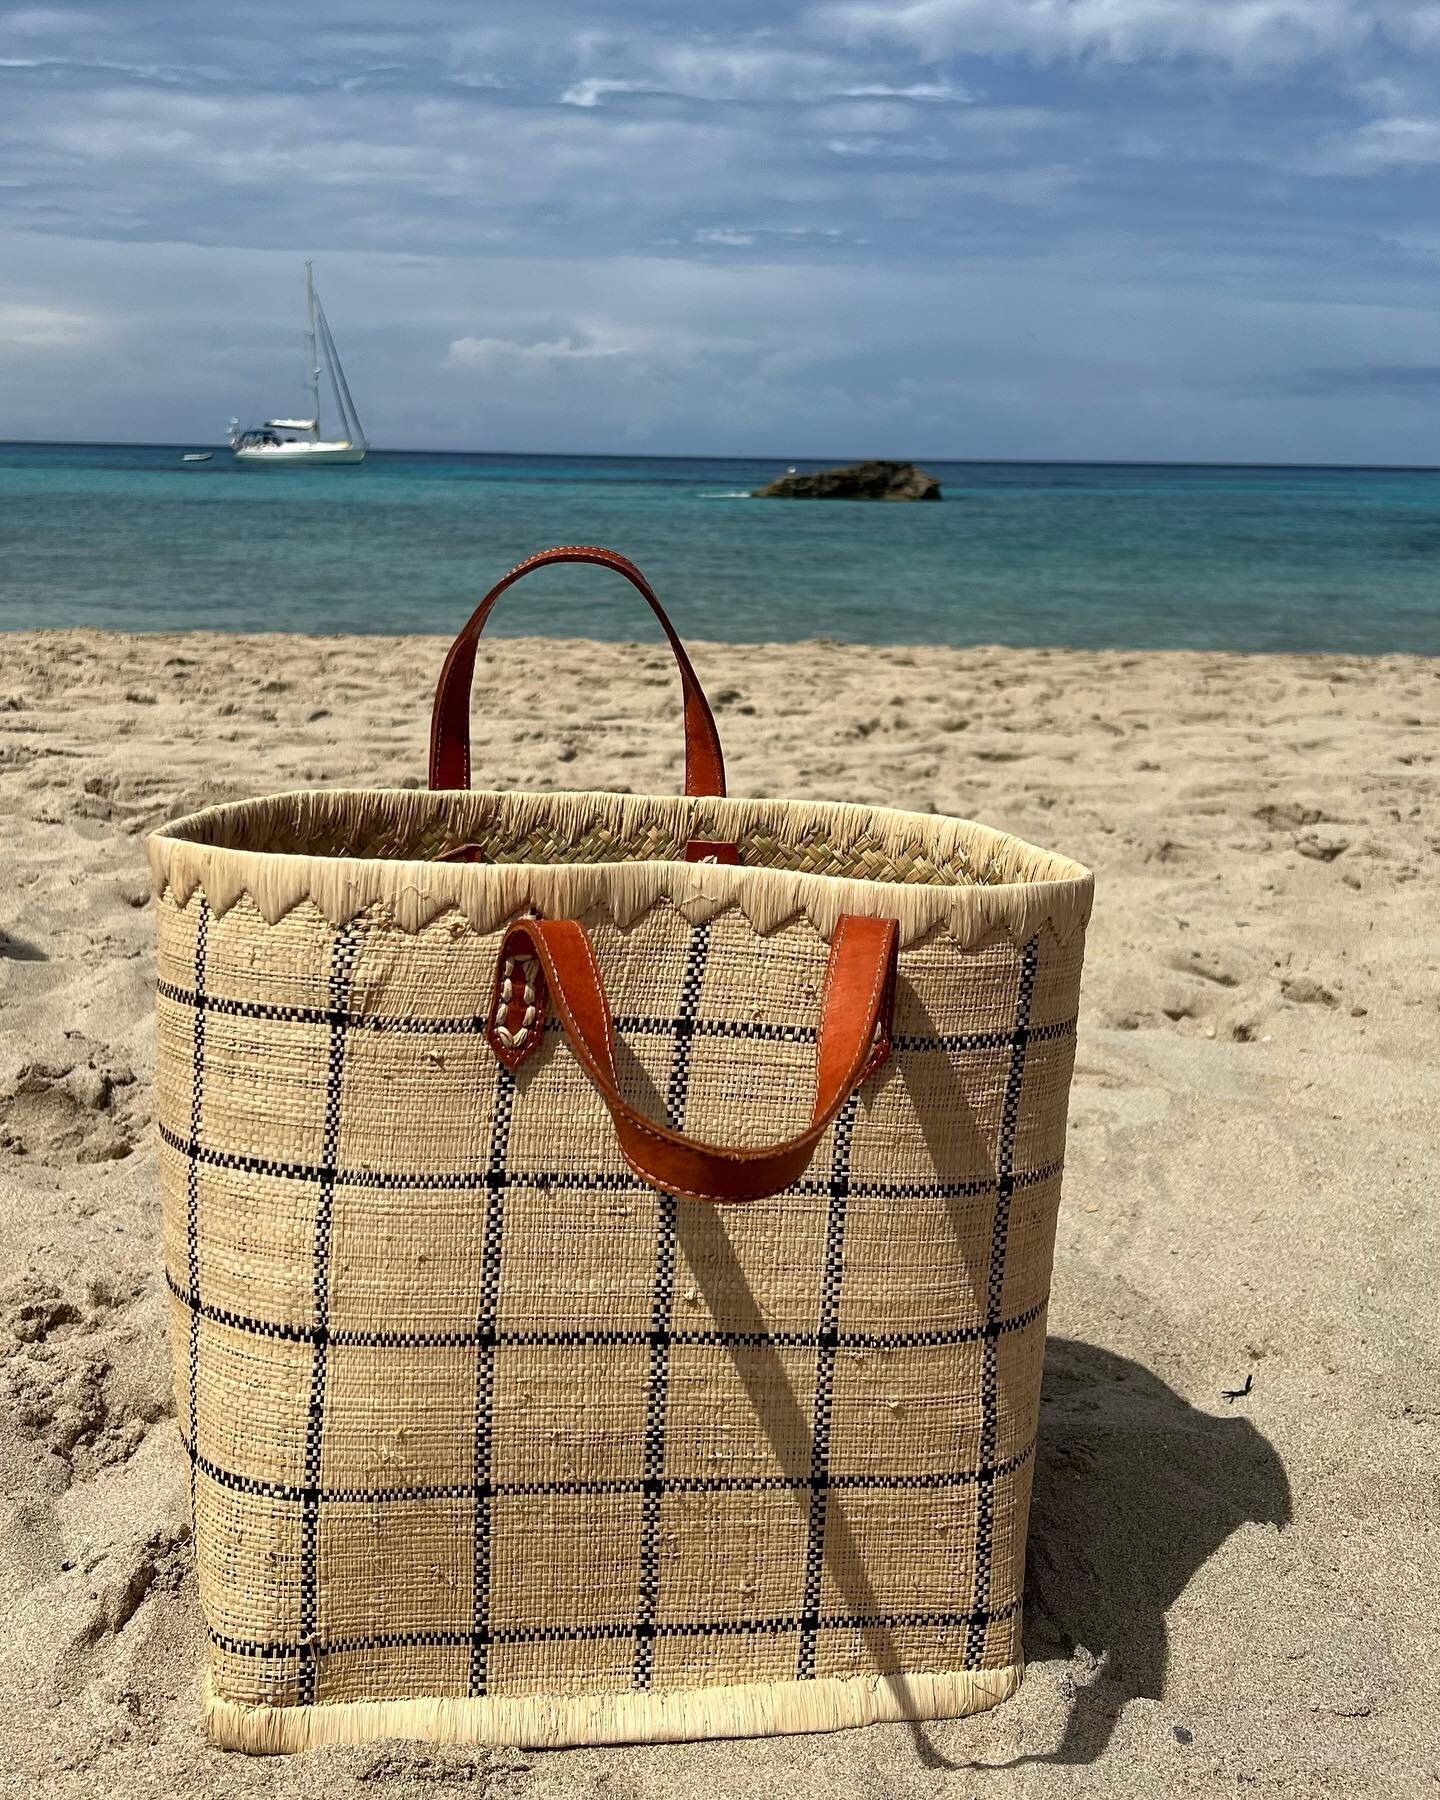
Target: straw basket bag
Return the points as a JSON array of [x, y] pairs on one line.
[[609, 1239]]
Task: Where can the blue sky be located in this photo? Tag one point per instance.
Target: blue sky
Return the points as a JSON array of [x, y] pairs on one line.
[[1029, 228]]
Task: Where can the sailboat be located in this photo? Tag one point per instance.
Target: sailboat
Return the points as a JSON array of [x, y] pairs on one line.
[[264, 446]]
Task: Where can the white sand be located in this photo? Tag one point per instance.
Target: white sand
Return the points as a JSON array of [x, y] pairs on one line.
[[1224, 1596]]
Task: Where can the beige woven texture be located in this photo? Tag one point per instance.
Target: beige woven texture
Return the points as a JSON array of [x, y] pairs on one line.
[[491, 1441]]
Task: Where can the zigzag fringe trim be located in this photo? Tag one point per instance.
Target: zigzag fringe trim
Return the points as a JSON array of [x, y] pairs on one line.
[[551, 1722], [259, 848]]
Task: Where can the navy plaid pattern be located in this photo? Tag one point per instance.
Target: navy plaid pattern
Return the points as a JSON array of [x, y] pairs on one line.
[[817, 1489]]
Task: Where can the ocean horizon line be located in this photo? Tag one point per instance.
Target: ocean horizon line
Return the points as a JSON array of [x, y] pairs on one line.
[[827, 460]]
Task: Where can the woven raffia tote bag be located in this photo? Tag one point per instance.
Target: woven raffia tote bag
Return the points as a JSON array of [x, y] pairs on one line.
[[609, 1239]]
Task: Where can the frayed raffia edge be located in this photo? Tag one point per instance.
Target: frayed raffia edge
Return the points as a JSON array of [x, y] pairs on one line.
[[235, 850], [555, 1722]]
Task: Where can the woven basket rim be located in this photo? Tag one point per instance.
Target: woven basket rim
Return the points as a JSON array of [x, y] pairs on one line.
[[228, 851]]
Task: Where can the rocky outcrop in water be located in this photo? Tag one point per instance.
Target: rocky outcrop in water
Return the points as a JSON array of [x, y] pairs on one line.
[[855, 481]]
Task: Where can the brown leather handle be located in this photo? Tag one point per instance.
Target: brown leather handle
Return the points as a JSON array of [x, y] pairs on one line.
[[450, 719], [552, 959]]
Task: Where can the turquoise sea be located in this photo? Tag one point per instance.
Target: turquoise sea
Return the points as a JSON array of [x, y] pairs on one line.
[[1135, 557]]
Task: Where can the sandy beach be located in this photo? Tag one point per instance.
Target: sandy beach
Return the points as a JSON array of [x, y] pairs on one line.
[[1226, 1594]]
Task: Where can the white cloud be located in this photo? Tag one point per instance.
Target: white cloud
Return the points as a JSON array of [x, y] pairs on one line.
[[1247, 34], [611, 352], [742, 71], [47, 328], [917, 90], [81, 67], [593, 90], [743, 236], [495, 354], [1382, 144]]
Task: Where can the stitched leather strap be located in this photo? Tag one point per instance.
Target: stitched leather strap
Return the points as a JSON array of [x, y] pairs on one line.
[[450, 720], [552, 959]]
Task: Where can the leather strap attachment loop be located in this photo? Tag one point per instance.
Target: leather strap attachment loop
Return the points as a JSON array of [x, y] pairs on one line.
[[544, 961]]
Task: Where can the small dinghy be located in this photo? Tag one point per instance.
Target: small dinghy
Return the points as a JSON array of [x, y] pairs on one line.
[[197, 456]]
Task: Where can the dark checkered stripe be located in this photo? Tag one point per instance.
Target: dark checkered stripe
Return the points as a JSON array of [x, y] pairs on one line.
[[343, 954], [635, 1024], [827, 1336], [488, 1336], [192, 1172], [486, 1341], [662, 1306], [558, 1180], [288, 1494], [610, 1630]]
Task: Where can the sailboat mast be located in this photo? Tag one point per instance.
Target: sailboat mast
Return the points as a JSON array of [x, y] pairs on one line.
[[313, 365]]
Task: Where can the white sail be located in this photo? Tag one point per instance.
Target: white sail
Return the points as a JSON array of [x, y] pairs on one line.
[[344, 404]]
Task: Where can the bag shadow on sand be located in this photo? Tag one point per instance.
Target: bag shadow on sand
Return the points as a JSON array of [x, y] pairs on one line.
[[1135, 1490]]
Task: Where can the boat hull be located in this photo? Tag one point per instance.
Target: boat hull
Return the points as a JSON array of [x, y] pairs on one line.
[[298, 455]]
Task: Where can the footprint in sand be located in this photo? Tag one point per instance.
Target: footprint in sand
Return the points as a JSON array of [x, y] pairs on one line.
[[1288, 815], [67, 1112], [83, 1392], [127, 1576], [57, 1394], [1306, 991], [1207, 966], [1322, 848]]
